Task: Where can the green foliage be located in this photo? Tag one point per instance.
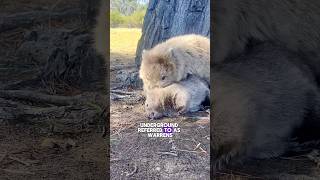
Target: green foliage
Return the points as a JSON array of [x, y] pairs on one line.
[[127, 7], [116, 18], [133, 20]]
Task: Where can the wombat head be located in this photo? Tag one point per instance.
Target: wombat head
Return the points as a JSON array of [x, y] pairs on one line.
[[153, 106], [157, 70]]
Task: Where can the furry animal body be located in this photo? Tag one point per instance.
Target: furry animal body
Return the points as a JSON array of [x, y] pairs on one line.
[[261, 99], [177, 98], [292, 24], [173, 60]]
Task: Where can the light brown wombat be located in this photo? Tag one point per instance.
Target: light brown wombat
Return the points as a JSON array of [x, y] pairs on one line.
[[171, 61]]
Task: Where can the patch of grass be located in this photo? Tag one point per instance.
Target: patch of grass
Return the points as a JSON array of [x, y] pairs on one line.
[[124, 41]]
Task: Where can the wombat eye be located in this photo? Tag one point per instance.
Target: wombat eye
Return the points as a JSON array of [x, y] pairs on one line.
[[163, 77], [147, 105]]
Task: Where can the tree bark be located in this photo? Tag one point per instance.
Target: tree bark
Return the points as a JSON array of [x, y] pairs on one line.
[[167, 18]]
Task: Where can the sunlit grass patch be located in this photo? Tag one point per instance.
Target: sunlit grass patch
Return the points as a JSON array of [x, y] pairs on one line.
[[124, 41]]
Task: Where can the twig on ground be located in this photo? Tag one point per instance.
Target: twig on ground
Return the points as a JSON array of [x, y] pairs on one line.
[[195, 118], [120, 67], [122, 92], [118, 159], [168, 153], [17, 171], [200, 148], [19, 160], [39, 97], [183, 150], [197, 146], [118, 96]]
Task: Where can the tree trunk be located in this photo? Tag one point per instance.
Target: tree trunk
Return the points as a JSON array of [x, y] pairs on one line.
[[168, 18]]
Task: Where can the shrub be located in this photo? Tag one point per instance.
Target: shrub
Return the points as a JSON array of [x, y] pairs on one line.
[[133, 20]]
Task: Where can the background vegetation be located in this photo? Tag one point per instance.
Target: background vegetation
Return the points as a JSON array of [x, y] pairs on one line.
[[127, 13]]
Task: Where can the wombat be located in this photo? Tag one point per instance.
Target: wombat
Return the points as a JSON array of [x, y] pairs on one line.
[[177, 98], [171, 61], [260, 100]]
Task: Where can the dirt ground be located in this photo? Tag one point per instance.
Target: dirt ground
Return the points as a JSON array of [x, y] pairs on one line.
[[134, 155], [29, 154], [186, 155], [69, 146]]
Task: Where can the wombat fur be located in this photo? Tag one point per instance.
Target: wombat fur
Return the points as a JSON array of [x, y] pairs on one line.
[[260, 101], [172, 60], [177, 98], [292, 24]]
